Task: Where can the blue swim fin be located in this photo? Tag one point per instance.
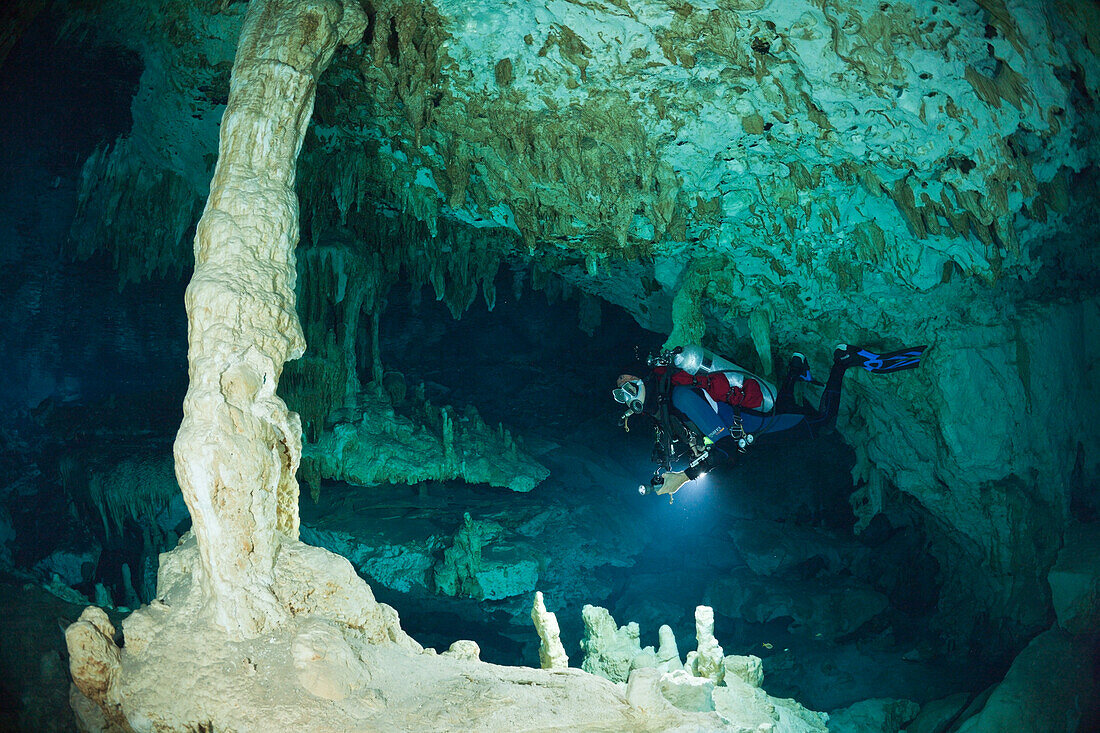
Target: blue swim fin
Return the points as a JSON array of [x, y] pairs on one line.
[[894, 361]]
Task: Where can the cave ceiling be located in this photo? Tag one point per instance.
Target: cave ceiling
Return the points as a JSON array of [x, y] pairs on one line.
[[808, 159]]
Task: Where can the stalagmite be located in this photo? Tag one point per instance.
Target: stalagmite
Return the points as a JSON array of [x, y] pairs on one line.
[[94, 662], [706, 661], [239, 447], [609, 650], [668, 653], [551, 652]]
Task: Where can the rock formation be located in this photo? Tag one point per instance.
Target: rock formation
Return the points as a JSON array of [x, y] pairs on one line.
[[729, 686], [551, 652]]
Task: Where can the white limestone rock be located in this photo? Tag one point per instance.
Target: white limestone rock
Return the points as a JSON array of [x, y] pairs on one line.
[[707, 659], [952, 148], [748, 669], [1075, 579], [95, 665], [643, 690], [748, 708], [464, 649], [551, 651], [316, 673], [609, 650], [326, 666], [253, 630], [668, 653], [687, 691]]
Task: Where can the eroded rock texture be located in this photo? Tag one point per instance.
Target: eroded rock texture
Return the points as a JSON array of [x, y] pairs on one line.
[[242, 604]]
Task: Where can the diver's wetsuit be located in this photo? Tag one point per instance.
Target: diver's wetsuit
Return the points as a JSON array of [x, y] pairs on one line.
[[715, 419]]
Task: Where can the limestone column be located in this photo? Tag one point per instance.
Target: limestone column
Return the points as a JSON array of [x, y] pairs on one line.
[[238, 447]]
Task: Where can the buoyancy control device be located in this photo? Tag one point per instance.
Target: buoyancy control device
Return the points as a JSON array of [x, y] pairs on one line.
[[697, 360]]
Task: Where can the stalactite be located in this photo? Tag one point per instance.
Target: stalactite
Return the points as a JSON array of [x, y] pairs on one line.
[[760, 329], [138, 215], [376, 356], [688, 326], [136, 489], [589, 313]]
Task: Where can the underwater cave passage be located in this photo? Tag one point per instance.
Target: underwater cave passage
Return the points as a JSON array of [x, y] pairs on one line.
[[768, 542]]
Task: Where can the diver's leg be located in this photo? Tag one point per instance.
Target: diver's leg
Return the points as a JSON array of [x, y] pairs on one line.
[[785, 401], [824, 419], [691, 403]]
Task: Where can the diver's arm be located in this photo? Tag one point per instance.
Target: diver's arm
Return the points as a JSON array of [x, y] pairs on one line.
[[721, 452], [724, 450]]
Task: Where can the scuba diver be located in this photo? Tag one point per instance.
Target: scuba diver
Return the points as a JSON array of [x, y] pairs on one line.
[[706, 410]]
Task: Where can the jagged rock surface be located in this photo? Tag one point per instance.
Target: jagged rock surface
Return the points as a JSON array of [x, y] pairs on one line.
[[730, 686], [287, 628], [341, 646], [1052, 685], [380, 446]]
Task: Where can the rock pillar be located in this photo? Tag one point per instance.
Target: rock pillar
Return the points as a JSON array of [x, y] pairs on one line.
[[238, 447]]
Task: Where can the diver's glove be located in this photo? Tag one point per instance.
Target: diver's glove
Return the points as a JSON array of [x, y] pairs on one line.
[[672, 482]]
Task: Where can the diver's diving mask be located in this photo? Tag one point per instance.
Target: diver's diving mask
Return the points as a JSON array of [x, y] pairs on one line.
[[631, 394]]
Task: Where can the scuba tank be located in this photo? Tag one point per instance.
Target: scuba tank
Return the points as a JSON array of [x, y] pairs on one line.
[[697, 360]]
